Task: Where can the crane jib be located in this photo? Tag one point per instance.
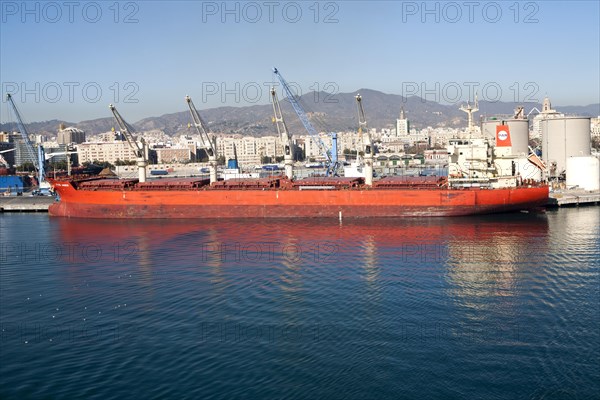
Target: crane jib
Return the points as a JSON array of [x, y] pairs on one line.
[[305, 121]]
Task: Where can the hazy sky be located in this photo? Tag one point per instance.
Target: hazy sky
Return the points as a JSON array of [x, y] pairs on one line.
[[69, 59]]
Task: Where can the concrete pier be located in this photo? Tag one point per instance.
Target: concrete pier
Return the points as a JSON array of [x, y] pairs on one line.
[[573, 198], [25, 203]]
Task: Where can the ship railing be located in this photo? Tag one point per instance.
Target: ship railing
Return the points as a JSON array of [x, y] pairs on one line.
[[173, 184], [335, 182], [107, 184], [316, 187], [244, 183], [411, 182]]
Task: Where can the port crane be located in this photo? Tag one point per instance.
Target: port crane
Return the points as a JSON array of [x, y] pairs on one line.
[[333, 165], [67, 153], [208, 143], [2, 159], [532, 110], [38, 161], [139, 148], [365, 140], [284, 134]]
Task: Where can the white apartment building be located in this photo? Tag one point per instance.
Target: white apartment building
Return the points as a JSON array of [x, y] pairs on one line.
[[250, 150], [402, 125], [105, 152], [595, 127]]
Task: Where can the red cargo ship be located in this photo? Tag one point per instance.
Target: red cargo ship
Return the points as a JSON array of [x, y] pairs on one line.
[[279, 197]]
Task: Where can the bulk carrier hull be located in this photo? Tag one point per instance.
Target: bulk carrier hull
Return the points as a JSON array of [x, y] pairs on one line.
[[342, 198]]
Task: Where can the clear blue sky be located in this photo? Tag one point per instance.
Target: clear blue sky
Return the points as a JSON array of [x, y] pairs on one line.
[[70, 60]]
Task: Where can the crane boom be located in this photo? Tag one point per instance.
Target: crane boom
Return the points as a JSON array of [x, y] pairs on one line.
[[138, 148], [330, 159], [362, 121], [207, 142], [31, 153], [284, 134], [37, 160], [128, 131]]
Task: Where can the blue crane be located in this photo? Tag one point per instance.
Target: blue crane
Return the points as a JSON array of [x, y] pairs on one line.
[[330, 156], [37, 160]]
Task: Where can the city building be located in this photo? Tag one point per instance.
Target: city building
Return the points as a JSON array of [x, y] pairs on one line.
[[167, 155], [436, 156], [23, 153], [546, 113], [595, 127], [402, 124], [249, 150], [70, 135], [105, 152]]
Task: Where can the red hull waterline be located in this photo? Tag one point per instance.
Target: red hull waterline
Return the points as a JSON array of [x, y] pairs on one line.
[[96, 201]]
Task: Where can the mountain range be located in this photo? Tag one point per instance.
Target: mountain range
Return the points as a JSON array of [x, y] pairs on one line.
[[326, 112]]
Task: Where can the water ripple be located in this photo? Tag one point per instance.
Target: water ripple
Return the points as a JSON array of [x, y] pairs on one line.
[[488, 307]]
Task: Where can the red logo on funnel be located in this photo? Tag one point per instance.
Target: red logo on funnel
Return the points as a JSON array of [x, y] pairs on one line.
[[503, 136]]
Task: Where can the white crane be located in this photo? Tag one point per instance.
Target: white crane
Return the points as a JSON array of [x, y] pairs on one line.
[[208, 143], [139, 148], [284, 134], [2, 159], [365, 139]]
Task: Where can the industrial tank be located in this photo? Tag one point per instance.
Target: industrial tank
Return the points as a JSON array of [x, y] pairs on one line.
[[583, 172], [519, 133], [564, 137]]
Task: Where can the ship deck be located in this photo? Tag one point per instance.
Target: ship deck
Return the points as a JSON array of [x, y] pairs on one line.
[[270, 183]]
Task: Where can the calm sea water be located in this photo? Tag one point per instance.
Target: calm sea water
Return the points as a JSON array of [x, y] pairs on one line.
[[495, 307]]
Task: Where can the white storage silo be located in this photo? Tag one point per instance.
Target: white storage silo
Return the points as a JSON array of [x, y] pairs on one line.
[[488, 128], [564, 137], [583, 172], [519, 136]]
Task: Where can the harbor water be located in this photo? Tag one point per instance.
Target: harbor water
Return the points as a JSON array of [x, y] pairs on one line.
[[490, 307]]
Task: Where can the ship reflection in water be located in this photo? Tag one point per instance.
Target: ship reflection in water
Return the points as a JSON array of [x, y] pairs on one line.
[[496, 244], [478, 257], [471, 248], [501, 306]]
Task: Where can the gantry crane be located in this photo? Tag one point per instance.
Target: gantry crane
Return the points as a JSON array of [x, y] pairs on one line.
[[365, 140], [208, 144], [284, 134], [139, 148], [37, 160], [332, 163]]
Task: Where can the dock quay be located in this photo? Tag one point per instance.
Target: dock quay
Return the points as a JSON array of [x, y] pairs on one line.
[[573, 198], [25, 203]]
